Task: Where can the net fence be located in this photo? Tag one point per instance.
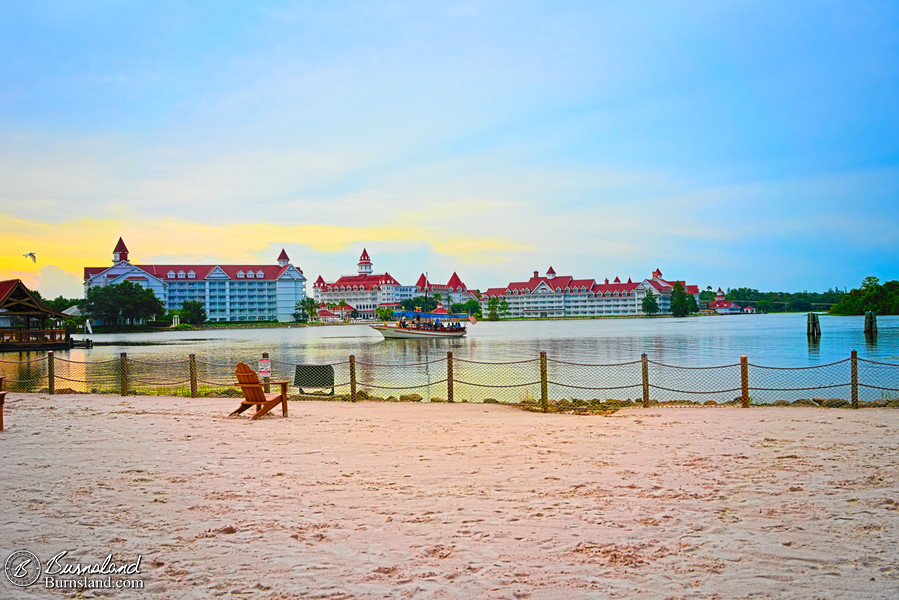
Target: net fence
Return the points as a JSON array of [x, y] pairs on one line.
[[541, 380]]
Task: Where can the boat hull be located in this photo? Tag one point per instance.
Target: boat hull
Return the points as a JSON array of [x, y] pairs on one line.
[[393, 332]]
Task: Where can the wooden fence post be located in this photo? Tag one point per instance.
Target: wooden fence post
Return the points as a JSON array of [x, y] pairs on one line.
[[51, 373], [544, 383], [644, 360], [853, 361], [267, 380], [352, 378], [449, 377], [193, 375], [123, 373], [744, 381]]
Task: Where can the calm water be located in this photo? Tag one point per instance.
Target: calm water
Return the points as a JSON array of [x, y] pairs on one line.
[[770, 340]]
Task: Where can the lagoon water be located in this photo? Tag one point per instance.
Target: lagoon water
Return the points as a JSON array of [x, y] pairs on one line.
[[777, 340]]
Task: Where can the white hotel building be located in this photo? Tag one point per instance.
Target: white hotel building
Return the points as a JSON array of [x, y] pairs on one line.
[[228, 292], [366, 291], [564, 296]]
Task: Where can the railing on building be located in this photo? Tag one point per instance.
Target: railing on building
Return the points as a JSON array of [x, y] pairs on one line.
[[540, 381]]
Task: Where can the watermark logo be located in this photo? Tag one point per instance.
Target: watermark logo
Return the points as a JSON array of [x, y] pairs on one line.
[[23, 568]]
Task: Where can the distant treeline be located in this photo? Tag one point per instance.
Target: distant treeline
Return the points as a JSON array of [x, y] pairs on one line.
[[779, 301], [883, 299]]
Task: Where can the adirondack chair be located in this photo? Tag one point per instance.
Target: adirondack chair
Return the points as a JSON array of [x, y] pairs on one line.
[[254, 394]]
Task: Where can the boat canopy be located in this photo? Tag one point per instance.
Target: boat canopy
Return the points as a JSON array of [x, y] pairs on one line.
[[411, 314]]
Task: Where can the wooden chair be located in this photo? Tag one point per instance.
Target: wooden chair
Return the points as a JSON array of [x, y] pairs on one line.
[[254, 393]]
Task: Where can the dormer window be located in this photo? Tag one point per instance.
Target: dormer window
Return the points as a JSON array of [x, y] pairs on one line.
[[170, 274], [181, 275], [191, 275], [259, 274], [240, 274]]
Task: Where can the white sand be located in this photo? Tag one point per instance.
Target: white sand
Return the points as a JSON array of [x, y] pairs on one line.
[[380, 500]]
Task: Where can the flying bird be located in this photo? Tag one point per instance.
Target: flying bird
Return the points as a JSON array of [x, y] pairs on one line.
[[31, 256]]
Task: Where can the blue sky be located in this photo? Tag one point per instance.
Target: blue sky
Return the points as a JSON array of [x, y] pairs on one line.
[[726, 143]]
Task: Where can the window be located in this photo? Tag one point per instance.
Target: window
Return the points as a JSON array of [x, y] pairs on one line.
[[260, 274], [240, 274], [180, 274], [191, 275], [250, 275], [170, 275]]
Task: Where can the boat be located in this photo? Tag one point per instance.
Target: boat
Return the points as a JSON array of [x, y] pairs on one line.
[[414, 324]]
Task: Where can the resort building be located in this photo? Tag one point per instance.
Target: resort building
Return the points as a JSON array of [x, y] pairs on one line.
[[723, 307], [564, 296], [367, 291], [228, 292]]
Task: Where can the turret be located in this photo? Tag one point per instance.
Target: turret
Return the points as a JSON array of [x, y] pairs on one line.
[[120, 252], [364, 263]]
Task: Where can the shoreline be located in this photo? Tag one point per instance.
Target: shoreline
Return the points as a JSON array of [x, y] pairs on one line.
[[367, 500]]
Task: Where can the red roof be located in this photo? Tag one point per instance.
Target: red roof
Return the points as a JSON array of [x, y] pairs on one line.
[[283, 255], [7, 286], [550, 271], [120, 247], [454, 282], [269, 272], [364, 259], [361, 282]]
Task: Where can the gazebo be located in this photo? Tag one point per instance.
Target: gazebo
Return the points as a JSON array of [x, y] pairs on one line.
[[25, 324]]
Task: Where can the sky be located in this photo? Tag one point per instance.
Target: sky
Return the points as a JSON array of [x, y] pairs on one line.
[[728, 144]]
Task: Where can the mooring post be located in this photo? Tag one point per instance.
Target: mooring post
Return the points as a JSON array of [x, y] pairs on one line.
[[870, 323], [352, 378], [744, 381], [853, 368], [644, 365], [192, 361], [51, 373], [544, 383], [123, 373], [449, 377]]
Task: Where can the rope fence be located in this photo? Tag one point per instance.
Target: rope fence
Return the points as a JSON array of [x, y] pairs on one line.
[[542, 382]]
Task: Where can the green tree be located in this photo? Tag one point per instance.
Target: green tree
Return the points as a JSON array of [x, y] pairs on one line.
[[384, 314], [764, 306], [680, 306], [126, 300], [427, 304], [471, 307], [193, 312], [493, 309], [650, 304], [503, 309], [304, 310]]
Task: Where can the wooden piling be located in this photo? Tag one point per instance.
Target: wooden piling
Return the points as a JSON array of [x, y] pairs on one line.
[[352, 378], [123, 373], [266, 381], [192, 361], [544, 383], [853, 373], [51, 373], [744, 381], [449, 377], [813, 328], [870, 323], [644, 367]]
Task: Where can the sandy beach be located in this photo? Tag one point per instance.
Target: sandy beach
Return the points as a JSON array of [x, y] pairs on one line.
[[403, 500]]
